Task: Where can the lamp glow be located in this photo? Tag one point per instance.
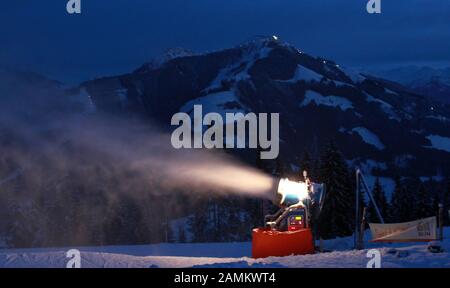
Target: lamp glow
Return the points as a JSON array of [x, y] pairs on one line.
[[291, 189]]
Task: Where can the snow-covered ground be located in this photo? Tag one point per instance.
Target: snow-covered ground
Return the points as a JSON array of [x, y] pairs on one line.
[[230, 255], [331, 101], [369, 137], [216, 102], [439, 142], [305, 74], [366, 135], [386, 107]]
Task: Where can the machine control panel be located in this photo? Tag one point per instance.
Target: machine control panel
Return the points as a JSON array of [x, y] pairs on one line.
[[296, 222]]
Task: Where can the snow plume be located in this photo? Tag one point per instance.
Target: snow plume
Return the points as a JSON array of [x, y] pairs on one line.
[[45, 122], [148, 155], [71, 178]]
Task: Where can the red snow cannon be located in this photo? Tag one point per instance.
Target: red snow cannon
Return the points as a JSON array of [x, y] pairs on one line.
[[267, 242], [287, 232]]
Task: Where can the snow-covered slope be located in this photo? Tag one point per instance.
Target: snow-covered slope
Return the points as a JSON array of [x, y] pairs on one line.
[[439, 142], [231, 255], [312, 97]]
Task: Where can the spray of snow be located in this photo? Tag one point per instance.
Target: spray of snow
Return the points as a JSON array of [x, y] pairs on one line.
[[144, 152], [51, 151]]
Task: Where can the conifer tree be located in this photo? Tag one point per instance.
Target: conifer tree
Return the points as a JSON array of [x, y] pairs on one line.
[[336, 219], [199, 224], [181, 234], [397, 200], [381, 201], [424, 205], [402, 202], [436, 200]]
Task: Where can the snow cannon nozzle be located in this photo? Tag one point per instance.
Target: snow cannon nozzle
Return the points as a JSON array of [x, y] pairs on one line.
[[290, 192]]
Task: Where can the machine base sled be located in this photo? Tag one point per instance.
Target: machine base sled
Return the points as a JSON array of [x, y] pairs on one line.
[[267, 242]]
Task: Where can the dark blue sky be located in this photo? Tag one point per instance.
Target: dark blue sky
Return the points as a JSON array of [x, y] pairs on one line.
[[116, 36]]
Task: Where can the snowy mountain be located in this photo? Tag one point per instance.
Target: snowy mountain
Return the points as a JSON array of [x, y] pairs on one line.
[[433, 82], [370, 119], [58, 149]]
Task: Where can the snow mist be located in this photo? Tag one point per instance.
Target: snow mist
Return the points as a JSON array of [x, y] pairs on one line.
[[148, 154], [71, 177]]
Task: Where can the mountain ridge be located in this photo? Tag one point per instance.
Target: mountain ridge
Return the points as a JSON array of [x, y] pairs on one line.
[[370, 118]]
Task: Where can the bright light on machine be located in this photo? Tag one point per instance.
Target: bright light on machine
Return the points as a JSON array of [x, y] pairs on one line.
[[292, 192]]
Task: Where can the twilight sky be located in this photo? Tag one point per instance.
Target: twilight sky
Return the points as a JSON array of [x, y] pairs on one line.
[[117, 36]]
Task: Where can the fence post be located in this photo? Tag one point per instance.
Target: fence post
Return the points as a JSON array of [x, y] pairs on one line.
[[362, 229], [356, 236]]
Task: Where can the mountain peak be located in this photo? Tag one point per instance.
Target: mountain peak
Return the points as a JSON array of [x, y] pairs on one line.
[[169, 54]]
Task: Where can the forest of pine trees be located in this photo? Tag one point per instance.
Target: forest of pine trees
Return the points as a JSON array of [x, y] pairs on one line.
[[337, 217]]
